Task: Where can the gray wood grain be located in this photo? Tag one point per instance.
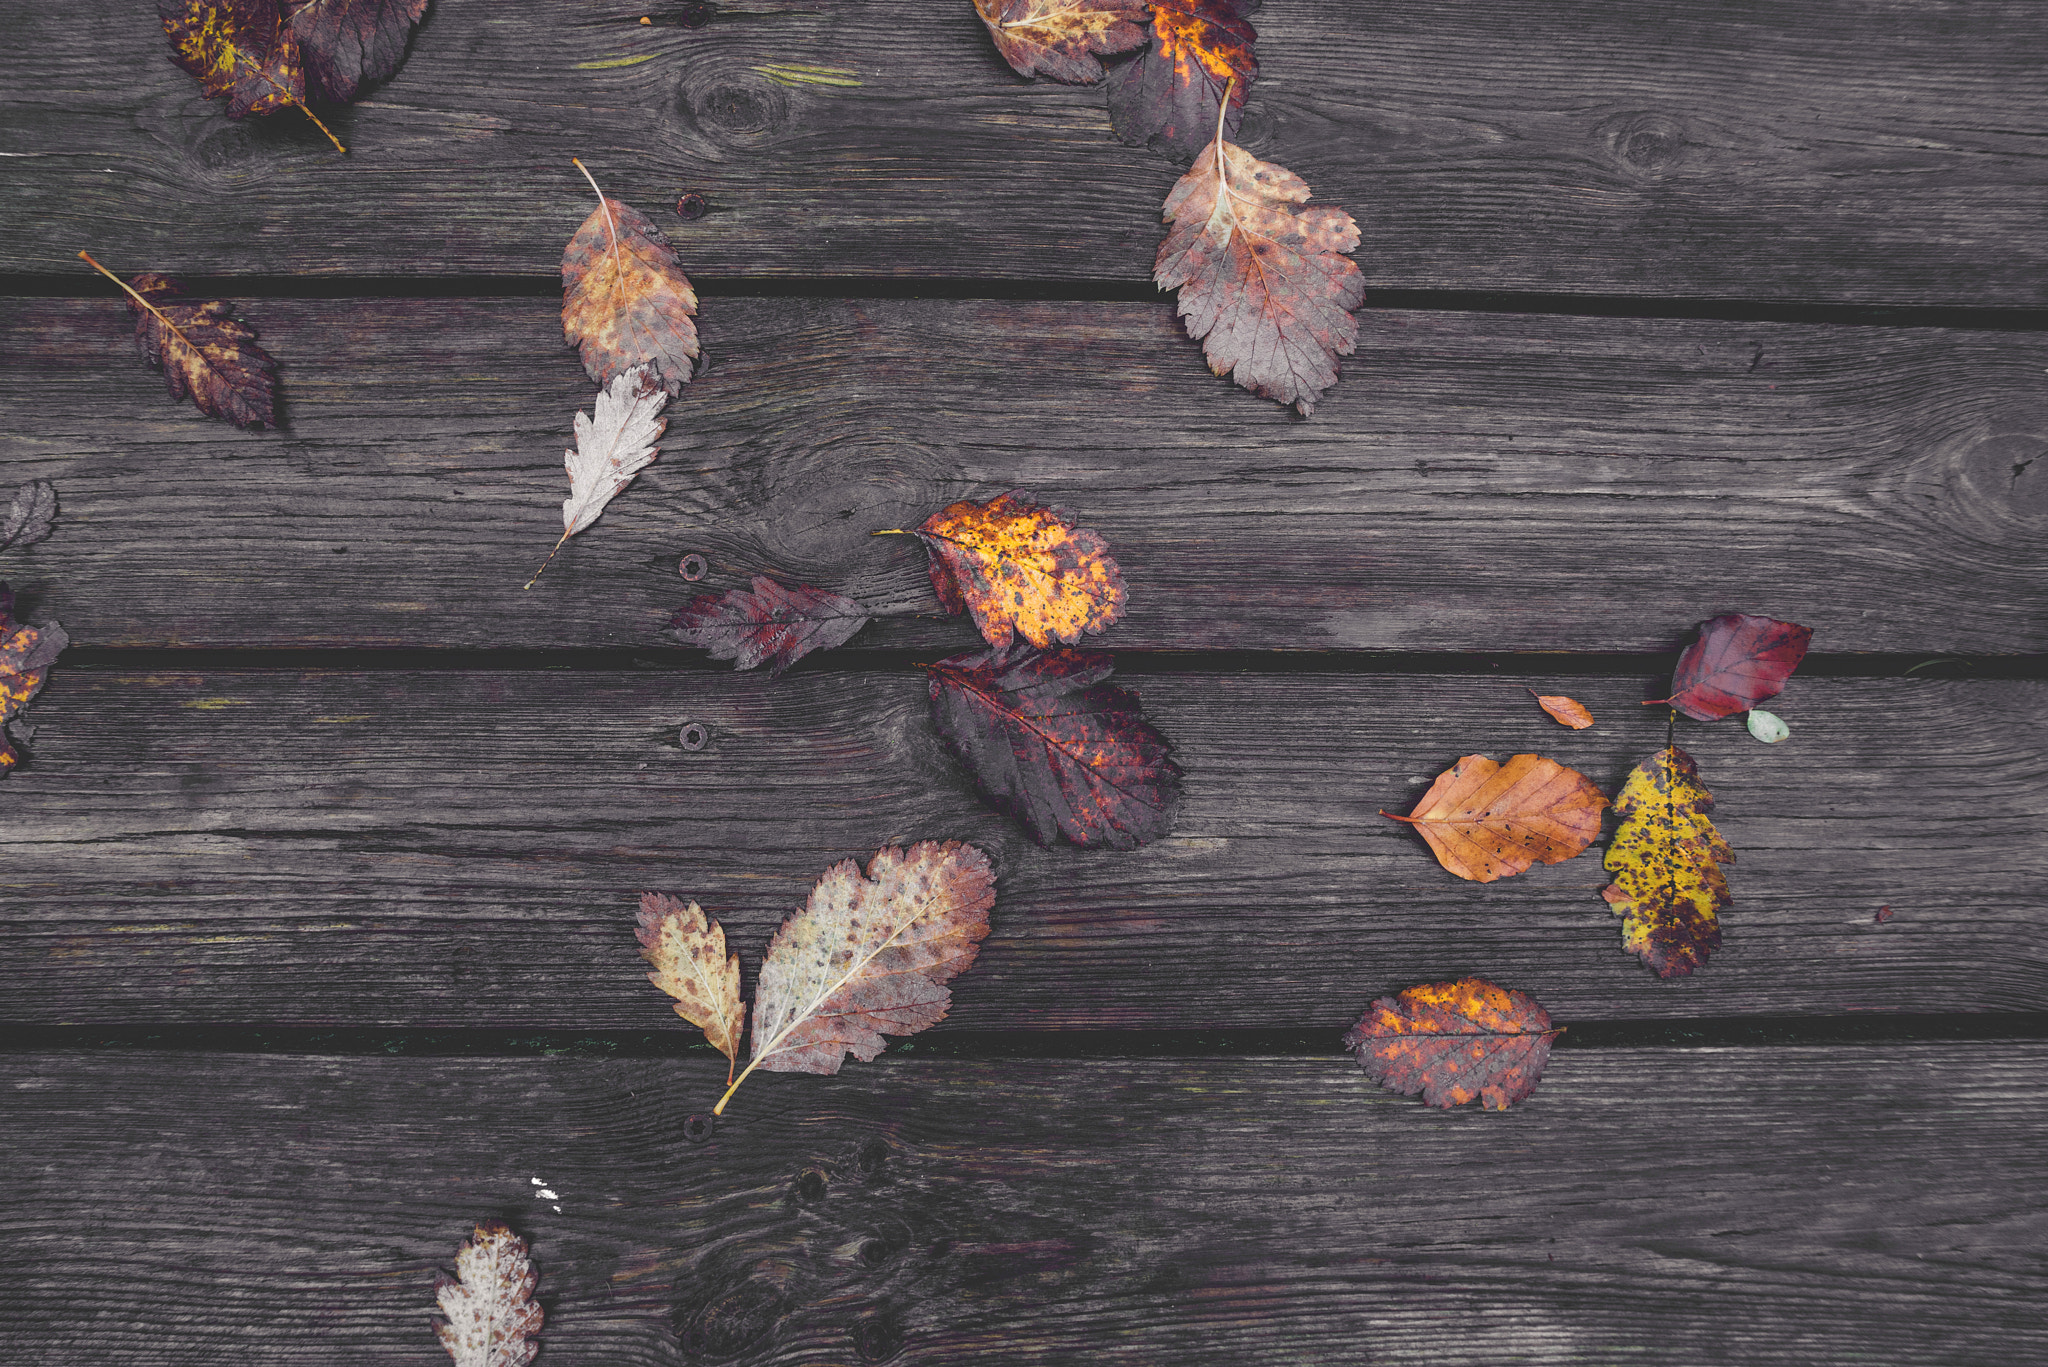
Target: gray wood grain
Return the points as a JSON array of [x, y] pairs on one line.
[[1475, 482], [466, 849], [1830, 150], [1796, 1206]]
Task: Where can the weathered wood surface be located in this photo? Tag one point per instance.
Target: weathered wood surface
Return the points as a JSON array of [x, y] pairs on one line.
[[465, 849], [1808, 1206], [1475, 482], [1828, 150]]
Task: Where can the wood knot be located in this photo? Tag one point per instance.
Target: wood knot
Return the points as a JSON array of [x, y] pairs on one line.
[[877, 1337], [736, 106], [809, 1187], [733, 1324], [1645, 144], [870, 1158]]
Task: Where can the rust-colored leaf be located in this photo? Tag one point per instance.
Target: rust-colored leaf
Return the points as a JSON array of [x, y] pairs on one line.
[[491, 1314], [1266, 285], [1195, 73], [768, 624], [691, 964], [345, 43], [1454, 1042], [869, 956], [1063, 39], [242, 49], [26, 654], [1486, 821], [1666, 860], [204, 352], [1051, 744], [1563, 710], [625, 301], [1737, 662], [1023, 569]]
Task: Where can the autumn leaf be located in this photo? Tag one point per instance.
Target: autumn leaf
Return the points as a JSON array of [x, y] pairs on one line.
[[1193, 76], [1266, 285], [31, 515], [1023, 569], [691, 964], [1486, 821], [203, 351], [768, 624], [625, 301], [1453, 1042], [1052, 745], [242, 49], [345, 43], [610, 449], [26, 654], [1563, 710], [1063, 38], [1736, 663], [1767, 727], [869, 956], [492, 1317], [1666, 860]]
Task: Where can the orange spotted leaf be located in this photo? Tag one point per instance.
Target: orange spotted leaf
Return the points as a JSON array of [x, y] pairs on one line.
[[1737, 662], [242, 49], [625, 300], [1063, 39], [1054, 746], [1197, 70], [26, 654], [203, 350], [1455, 1042], [1023, 569], [491, 1314], [691, 964], [1666, 860], [1486, 821], [1564, 710]]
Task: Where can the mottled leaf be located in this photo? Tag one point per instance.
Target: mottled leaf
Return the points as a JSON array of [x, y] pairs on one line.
[[1198, 67], [1737, 662], [1052, 745], [1486, 821], [242, 49], [1563, 710], [26, 654], [491, 1314], [625, 301], [345, 43], [1454, 1042], [691, 964], [869, 956], [1063, 39], [611, 448], [1666, 860], [204, 352], [31, 515], [1767, 727], [768, 624], [1023, 569], [1265, 284]]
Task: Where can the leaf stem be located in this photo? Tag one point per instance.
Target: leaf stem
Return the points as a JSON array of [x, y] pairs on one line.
[[290, 98], [176, 331], [547, 562], [603, 204], [719, 1109]]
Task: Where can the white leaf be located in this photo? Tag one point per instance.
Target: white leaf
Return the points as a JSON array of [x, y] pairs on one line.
[[1767, 727], [489, 1303], [614, 446]]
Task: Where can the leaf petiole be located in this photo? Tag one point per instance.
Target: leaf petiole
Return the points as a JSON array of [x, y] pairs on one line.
[[602, 203]]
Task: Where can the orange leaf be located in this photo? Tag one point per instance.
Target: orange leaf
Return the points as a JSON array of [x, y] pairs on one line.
[[1063, 38], [1563, 709], [691, 964], [26, 654], [492, 1317], [625, 301], [1487, 820], [1023, 570], [1666, 860], [1265, 285], [1453, 1042], [1193, 77]]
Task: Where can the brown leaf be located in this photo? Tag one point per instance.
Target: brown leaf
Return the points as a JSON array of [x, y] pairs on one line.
[[202, 349], [625, 301], [492, 1317], [1196, 72], [1453, 1042], [1063, 38], [1563, 709], [242, 49], [1265, 284], [26, 654], [1737, 662], [1487, 820], [1023, 569], [345, 43], [768, 624], [1052, 745], [1666, 860], [869, 956], [691, 964]]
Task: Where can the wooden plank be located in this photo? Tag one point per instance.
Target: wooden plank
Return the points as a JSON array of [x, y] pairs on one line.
[[1475, 482], [1798, 1206], [1831, 150], [466, 849]]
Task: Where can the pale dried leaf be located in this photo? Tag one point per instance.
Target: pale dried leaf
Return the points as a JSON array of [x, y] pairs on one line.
[[30, 516], [692, 965], [613, 443], [492, 1317]]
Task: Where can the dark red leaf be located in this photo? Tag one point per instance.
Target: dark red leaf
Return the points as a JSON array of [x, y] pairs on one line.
[[1051, 744], [344, 43], [1171, 93], [768, 623], [1737, 662], [1455, 1042]]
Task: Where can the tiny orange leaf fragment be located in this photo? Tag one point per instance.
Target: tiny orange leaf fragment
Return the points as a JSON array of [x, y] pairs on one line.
[[1486, 821], [1455, 1042], [692, 965], [492, 1317], [1564, 710], [1023, 569], [26, 654], [1666, 860]]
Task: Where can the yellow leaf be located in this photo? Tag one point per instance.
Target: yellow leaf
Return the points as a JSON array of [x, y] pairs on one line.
[[1023, 570], [1666, 860], [691, 964]]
